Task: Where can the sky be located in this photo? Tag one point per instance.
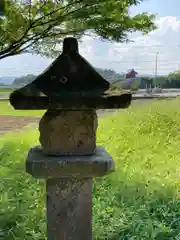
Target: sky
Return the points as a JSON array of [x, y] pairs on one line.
[[140, 54]]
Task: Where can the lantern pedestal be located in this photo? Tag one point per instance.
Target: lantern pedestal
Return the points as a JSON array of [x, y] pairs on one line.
[[69, 190], [68, 159]]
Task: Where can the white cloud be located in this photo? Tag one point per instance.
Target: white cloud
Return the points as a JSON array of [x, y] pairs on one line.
[[140, 54]]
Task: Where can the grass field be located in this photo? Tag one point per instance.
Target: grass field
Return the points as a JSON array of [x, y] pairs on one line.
[[5, 92], [140, 201], [8, 110]]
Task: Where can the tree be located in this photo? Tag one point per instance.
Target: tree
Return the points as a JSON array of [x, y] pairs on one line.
[[174, 79], [135, 86], [21, 81], [38, 26], [174, 75], [147, 82]]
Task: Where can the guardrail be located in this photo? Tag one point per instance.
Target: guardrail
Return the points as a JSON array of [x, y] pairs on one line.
[[4, 99], [134, 97], [152, 97]]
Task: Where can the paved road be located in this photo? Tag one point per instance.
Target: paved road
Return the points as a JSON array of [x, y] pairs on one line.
[[141, 96], [4, 99], [156, 95]]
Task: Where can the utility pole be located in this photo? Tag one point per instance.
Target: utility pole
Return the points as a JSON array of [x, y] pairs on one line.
[[156, 68]]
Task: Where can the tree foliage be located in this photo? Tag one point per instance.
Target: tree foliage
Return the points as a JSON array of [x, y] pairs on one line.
[[37, 26], [172, 80], [21, 81], [174, 75]]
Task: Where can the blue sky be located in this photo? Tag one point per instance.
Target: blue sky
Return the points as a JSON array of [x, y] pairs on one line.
[[162, 7], [120, 57]]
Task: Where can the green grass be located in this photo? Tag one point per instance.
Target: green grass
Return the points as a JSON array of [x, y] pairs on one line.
[[8, 110], [5, 92], [140, 201]]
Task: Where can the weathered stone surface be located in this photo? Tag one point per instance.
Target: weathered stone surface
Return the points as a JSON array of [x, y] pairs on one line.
[[69, 83], [63, 132], [69, 209], [40, 165], [69, 190], [77, 101], [113, 101]]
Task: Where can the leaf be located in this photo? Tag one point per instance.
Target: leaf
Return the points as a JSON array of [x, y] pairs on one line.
[[38, 26]]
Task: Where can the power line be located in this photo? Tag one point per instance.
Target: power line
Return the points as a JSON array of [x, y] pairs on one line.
[[160, 62], [159, 67], [142, 61], [150, 46], [137, 68], [169, 65]]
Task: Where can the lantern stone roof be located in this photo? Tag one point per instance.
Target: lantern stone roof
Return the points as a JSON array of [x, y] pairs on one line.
[[70, 82]]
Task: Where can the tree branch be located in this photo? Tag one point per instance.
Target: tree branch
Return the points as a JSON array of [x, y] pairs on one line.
[[55, 11], [61, 17], [8, 54], [29, 13], [32, 26]]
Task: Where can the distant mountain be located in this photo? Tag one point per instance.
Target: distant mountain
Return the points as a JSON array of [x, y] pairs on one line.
[[108, 74], [21, 81], [6, 80]]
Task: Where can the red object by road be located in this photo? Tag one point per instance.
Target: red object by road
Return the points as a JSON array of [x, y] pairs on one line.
[[131, 74]]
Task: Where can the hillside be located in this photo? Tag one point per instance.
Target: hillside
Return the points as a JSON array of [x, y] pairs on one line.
[[6, 80], [21, 81]]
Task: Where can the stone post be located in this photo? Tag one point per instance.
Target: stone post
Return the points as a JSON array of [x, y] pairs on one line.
[[68, 160]]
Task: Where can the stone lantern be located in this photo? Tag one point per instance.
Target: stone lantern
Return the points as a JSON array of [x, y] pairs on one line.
[[71, 90]]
